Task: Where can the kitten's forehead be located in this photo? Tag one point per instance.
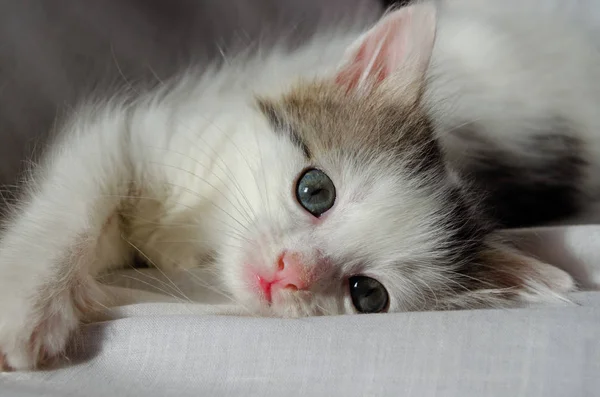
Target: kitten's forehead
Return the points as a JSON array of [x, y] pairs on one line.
[[324, 118]]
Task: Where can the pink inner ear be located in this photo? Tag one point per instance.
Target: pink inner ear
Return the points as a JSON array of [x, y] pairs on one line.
[[382, 51], [351, 75], [401, 43]]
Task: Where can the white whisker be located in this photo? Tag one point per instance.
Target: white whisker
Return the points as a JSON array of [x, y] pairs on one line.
[[175, 287]]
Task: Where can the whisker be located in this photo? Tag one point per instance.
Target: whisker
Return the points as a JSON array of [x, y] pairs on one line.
[[175, 287], [198, 241], [154, 199], [228, 174], [231, 232], [165, 284], [213, 203], [204, 181], [164, 292], [223, 165], [218, 156], [204, 284], [114, 57]]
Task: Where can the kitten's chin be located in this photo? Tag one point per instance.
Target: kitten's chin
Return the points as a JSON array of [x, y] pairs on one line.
[[285, 304]]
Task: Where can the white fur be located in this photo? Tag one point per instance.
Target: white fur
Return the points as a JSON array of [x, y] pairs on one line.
[[187, 170], [507, 66]]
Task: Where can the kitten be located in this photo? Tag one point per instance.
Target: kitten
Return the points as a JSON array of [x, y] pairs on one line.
[[313, 179]]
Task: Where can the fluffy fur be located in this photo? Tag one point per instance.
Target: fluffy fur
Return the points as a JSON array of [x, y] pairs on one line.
[[513, 92], [205, 167]]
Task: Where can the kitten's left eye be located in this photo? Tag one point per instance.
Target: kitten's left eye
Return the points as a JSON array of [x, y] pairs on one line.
[[368, 295], [315, 192]]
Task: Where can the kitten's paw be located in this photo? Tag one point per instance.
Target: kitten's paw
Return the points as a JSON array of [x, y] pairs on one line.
[[37, 334], [33, 334]]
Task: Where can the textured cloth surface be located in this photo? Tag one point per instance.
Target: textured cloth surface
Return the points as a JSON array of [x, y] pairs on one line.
[[531, 353], [158, 346]]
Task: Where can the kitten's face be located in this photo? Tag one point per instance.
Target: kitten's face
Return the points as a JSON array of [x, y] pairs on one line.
[[350, 212], [351, 206]]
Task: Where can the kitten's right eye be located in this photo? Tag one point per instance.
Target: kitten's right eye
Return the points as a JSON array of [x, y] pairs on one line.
[[368, 295], [315, 192]]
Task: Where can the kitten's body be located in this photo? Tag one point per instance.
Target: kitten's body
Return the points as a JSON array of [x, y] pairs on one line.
[[199, 167], [513, 90]]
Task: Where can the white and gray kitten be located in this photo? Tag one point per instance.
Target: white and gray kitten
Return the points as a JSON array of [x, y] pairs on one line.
[[339, 178]]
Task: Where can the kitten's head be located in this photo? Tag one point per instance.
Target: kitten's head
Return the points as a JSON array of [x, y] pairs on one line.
[[354, 211]]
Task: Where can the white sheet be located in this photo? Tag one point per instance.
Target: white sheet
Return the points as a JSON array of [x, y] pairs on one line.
[[544, 352]]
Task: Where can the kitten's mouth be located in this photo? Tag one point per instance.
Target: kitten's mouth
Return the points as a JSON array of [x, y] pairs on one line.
[[266, 287], [260, 284]]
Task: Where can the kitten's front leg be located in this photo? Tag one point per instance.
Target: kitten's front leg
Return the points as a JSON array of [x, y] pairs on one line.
[[66, 230]]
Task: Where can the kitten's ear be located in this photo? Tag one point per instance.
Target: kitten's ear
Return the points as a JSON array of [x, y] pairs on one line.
[[504, 272], [399, 45]]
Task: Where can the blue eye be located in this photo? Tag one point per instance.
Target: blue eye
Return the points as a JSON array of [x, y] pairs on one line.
[[368, 295], [315, 192]]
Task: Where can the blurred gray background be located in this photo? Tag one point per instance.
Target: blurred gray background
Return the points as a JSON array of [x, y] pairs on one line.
[[53, 52]]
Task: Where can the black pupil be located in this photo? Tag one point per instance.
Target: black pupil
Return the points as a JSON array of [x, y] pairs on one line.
[[368, 295], [315, 192]]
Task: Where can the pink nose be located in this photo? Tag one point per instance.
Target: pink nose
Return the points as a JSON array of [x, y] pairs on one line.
[[291, 274]]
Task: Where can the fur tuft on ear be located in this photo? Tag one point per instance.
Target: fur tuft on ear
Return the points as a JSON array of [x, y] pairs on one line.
[[400, 44], [503, 274]]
